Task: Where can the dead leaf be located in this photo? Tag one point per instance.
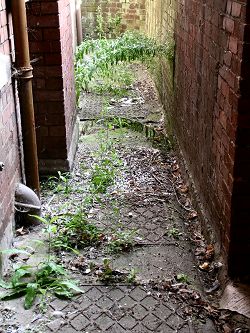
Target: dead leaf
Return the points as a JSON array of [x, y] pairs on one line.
[[209, 255], [175, 167], [226, 329], [199, 251], [205, 266], [192, 215], [21, 231], [183, 189]]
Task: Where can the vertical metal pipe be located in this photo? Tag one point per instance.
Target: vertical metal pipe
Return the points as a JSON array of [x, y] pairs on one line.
[[24, 77], [79, 22]]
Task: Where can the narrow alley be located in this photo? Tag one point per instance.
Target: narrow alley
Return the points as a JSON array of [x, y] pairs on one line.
[[130, 242], [138, 226], [124, 166]]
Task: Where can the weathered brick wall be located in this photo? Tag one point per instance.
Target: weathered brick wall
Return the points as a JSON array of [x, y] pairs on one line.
[[133, 14], [208, 86], [67, 69], [50, 37], [154, 18], [9, 151], [160, 23]]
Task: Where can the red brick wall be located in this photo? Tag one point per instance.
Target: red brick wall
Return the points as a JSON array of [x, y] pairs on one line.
[[67, 68], [9, 146], [209, 90], [133, 14], [50, 37]]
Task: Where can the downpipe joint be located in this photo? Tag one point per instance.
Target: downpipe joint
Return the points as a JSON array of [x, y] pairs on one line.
[[27, 204]]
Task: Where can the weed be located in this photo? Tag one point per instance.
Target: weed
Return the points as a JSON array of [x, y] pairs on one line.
[[118, 122], [131, 278], [58, 183], [99, 56], [103, 175], [121, 241], [174, 232], [46, 278], [29, 282], [107, 161], [75, 232], [115, 82], [107, 274], [183, 278]]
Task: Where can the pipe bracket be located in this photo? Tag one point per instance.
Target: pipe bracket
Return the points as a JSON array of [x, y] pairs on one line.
[[23, 73]]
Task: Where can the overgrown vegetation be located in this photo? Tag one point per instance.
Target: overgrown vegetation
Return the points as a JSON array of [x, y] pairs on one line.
[[73, 232], [116, 83], [107, 27], [48, 277], [59, 183], [95, 58]]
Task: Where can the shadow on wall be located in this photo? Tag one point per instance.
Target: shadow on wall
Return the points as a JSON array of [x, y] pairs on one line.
[[160, 24]]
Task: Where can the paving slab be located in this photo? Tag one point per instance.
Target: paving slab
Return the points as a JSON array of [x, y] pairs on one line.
[[143, 199]]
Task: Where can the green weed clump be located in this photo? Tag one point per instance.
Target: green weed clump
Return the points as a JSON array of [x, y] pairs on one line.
[[46, 278], [59, 183], [100, 55], [104, 170], [74, 231], [121, 241]]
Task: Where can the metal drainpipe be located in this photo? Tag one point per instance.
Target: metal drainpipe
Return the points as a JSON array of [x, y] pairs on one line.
[[24, 77], [79, 21]]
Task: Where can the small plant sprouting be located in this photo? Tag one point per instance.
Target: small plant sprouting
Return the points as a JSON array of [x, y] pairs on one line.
[[59, 183], [108, 275], [183, 278], [131, 278], [121, 241], [174, 232]]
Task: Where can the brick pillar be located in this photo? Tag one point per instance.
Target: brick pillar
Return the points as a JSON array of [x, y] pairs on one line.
[[240, 224], [51, 40]]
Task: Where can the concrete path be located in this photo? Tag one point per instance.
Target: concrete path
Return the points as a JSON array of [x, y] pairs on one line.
[[164, 293]]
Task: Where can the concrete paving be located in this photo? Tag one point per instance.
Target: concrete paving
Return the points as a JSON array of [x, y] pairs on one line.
[[146, 204]]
